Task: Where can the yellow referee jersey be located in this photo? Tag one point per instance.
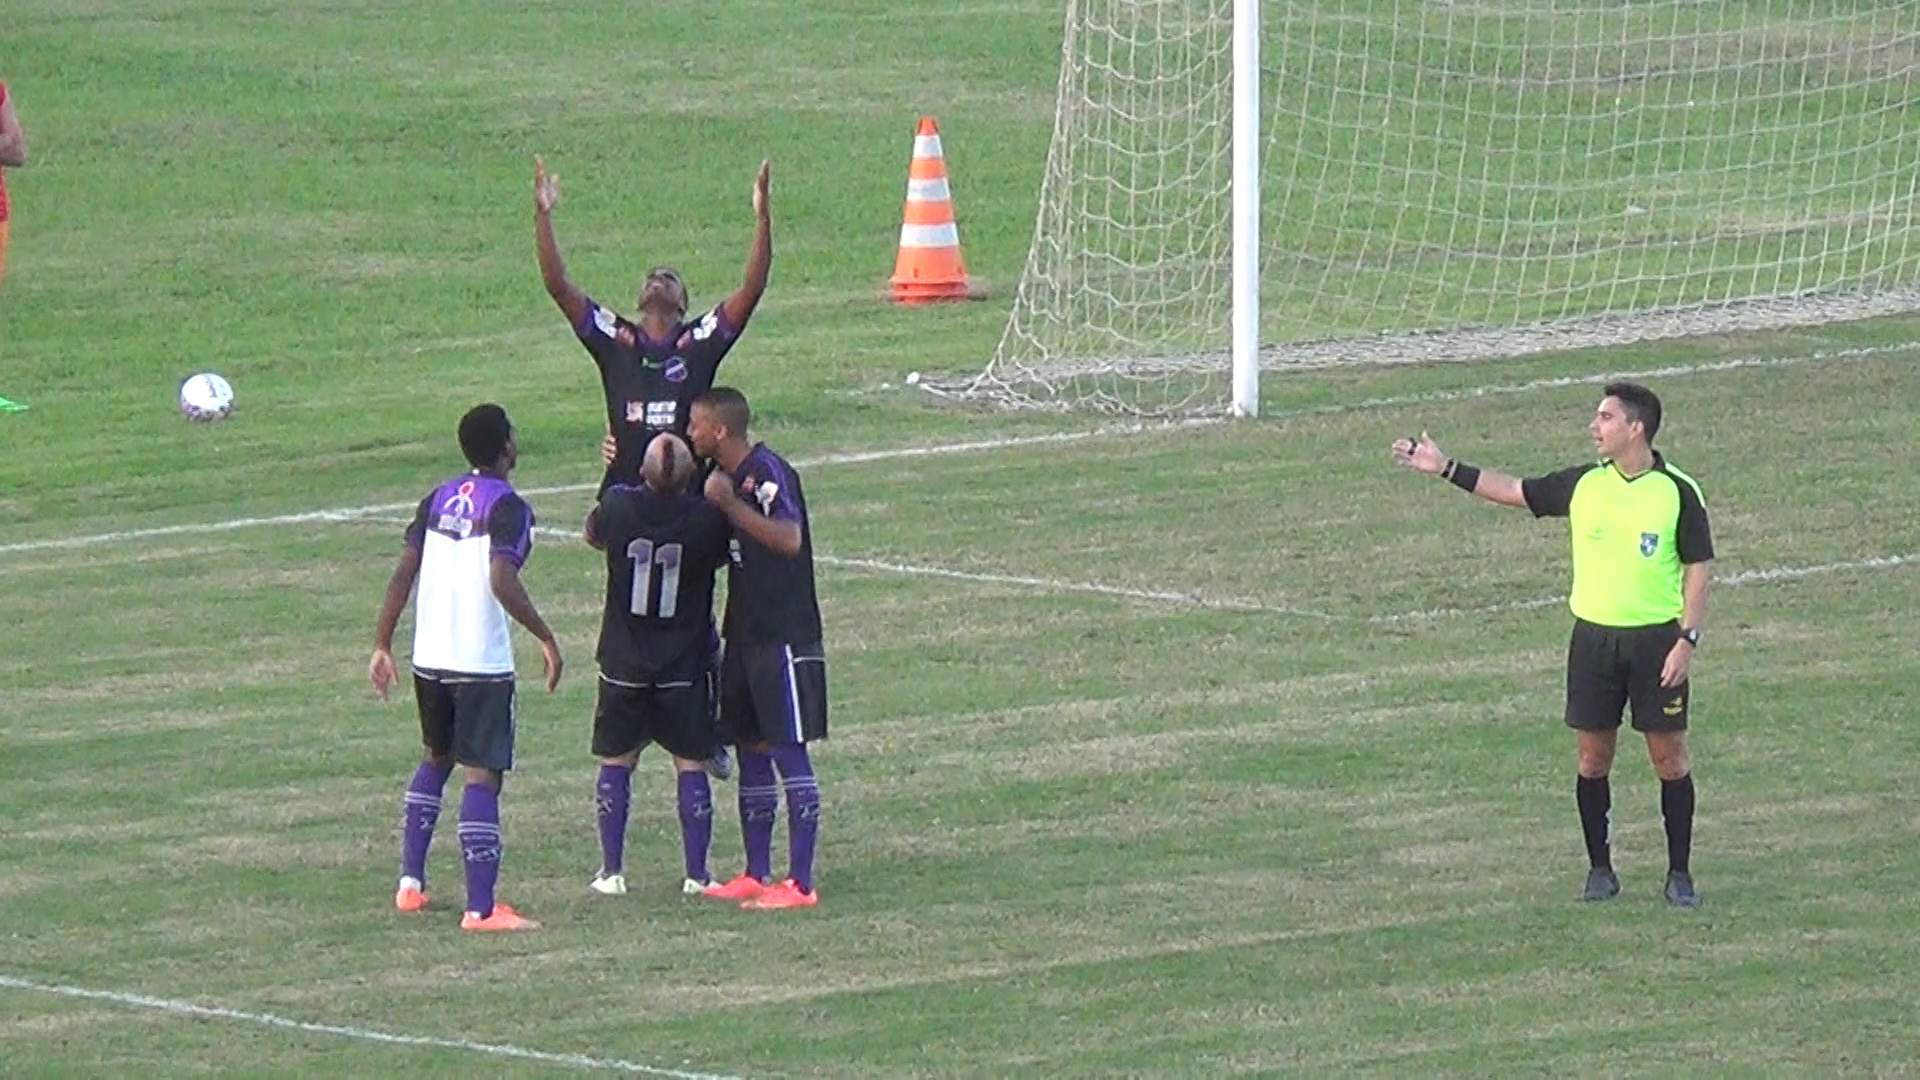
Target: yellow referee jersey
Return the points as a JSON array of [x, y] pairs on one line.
[[1631, 536]]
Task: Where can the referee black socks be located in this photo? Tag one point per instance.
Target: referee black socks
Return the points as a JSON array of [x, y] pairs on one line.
[[1595, 796], [1676, 805]]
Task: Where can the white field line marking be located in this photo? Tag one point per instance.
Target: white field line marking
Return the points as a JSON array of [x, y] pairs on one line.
[[213, 1012], [1121, 592], [1770, 576], [351, 513], [1734, 580], [1007, 443], [1178, 599], [1563, 381]]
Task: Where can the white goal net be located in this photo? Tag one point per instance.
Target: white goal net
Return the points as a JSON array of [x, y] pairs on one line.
[[1454, 179]]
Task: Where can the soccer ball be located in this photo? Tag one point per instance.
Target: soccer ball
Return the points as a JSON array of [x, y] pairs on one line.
[[205, 398]]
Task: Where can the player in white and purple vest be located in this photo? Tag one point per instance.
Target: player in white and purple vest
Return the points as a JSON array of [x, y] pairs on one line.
[[465, 547]]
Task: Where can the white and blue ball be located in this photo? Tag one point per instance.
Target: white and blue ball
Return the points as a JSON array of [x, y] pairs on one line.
[[205, 398]]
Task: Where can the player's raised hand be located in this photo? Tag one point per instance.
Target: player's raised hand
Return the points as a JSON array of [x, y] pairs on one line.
[[551, 663], [760, 188], [546, 187], [1420, 455], [380, 669], [719, 489]]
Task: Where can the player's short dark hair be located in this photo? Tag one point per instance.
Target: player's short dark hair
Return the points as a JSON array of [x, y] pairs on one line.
[[484, 433], [731, 407], [1640, 404]]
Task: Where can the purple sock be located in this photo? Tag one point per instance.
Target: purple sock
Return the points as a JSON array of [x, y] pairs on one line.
[[612, 794], [759, 804], [480, 845], [803, 811], [420, 812], [696, 822]]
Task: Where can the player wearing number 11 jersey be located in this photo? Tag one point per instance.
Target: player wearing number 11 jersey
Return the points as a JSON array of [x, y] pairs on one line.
[[663, 546]]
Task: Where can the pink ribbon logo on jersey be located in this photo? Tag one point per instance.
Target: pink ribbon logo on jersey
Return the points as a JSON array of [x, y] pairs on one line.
[[461, 504]]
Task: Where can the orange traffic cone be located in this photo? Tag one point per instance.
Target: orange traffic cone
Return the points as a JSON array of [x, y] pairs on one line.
[[929, 267]]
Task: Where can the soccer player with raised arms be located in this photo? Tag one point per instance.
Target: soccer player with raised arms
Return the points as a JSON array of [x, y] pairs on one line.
[[651, 369], [465, 547], [1642, 562], [663, 546], [773, 678]]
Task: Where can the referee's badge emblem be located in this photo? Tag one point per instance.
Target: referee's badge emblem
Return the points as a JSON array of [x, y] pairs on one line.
[[1649, 543]]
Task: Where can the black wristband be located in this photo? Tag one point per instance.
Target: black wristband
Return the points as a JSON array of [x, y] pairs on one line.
[[1464, 476]]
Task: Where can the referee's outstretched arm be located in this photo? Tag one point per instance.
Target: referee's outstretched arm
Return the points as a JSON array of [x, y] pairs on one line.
[[1423, 455]]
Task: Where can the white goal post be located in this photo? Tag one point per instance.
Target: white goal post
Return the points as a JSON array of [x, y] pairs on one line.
[[1239, 186]]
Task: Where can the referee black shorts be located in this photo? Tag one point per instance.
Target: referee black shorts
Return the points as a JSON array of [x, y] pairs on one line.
[[678, 716], [468, 716], [1611, 668], [773, 693]]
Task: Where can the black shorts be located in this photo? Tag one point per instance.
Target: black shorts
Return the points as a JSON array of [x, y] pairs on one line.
[[678, 716], [773, 693], [1610, 668], [468, 716]]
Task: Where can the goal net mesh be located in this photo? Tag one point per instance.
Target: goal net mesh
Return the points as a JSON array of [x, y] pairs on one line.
[[1446, 181]]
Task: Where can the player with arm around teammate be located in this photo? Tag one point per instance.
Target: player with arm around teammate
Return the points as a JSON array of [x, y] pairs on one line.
[[465, 548], [652, 367], [773, 677], [1642, 562], [664, 545]]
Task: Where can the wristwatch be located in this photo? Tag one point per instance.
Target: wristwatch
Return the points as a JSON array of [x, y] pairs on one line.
[[1691, 635]]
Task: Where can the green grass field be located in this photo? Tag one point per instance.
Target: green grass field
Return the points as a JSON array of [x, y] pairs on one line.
[[1204, 751]]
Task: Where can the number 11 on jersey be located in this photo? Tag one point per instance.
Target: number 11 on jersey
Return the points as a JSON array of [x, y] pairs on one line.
[[645, 557]]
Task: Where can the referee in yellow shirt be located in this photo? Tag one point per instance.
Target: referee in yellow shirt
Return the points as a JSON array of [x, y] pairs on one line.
[[1642, 560]]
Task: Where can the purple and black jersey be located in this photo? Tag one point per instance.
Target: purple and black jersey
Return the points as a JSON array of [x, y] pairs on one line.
[[460, 529], [662, 554], [650, 383], [770, 597], [473, 503]]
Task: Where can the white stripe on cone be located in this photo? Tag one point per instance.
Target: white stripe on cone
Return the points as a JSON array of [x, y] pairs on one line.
[[934, 190], [926, 146], [929, 236]]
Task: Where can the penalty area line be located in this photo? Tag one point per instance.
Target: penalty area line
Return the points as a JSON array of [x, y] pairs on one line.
[[1562, 382], [214, 1012], [1040, 584], [1013, 442], [1737, 579], [360, 513]]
